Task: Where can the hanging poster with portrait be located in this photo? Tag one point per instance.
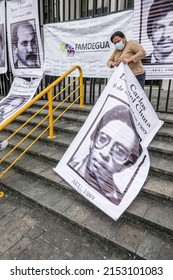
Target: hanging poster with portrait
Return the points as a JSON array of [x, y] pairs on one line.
[[84, 42], [108, 161], [3, 47], [20, 93], [153, 21], [24, 41]]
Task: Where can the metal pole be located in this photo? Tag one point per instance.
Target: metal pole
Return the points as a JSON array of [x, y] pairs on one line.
[[51, 131]]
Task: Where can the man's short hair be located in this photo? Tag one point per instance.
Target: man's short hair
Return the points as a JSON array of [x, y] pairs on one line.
[[158, 10], [123, 114], [14, 35], [117, 33]]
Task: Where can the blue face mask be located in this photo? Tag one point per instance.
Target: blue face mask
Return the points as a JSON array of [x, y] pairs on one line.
[[119, 46]]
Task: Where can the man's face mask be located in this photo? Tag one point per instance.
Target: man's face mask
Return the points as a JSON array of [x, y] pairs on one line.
[[119, 46]]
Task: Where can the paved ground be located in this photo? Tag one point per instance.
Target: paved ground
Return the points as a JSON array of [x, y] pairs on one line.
[[30, 232]]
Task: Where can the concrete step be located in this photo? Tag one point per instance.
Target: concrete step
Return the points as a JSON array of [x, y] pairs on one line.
[[161, 153], [163, 167], [50, 151], [40, 159], [63, 139], [61, 125], [144, 231], [69, 117], [166, 117], [43, 170], [161, 160], [162, 149], [68, 125], [30, 232], [86, 109]]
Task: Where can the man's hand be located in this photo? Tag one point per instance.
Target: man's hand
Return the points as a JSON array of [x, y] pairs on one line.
[[116, 63]]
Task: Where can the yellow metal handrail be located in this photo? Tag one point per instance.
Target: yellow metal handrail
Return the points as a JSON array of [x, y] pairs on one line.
[[47, 91]]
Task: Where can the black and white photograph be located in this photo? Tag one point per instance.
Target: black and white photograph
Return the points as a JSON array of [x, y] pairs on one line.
[[3, 41], [157, 31], [11, 104], [114, 146], [24, 39], [108, 161], [20, 93], [25, 45], [153, 20], [2, 46]]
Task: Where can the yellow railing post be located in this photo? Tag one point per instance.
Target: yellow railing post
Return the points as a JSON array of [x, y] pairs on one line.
[[81, 88], [49, 117], [51, 131]]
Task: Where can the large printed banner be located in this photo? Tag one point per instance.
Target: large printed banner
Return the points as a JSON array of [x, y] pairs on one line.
[[154, 30], [108, 161], [25, 48], [20, 93], [3, 47], [85, 43]]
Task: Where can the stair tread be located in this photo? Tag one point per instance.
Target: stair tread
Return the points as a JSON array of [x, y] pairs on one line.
[[166, 117], [86, 108], [67, 116], [164, 146], [88, 217], [145, 229], [161, 164], [157, 162], [166, 131], [53, 154], [45, 171]]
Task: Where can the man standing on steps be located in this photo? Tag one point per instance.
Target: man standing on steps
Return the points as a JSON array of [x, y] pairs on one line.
[[114, 147]]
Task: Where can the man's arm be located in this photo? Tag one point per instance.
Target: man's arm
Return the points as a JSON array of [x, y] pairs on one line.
[[139, 52], [112, 62]]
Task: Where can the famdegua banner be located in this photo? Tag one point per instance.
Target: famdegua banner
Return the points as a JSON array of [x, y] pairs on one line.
[[153, 21], [3, 47], [108, 161], [20, 93], [25, 48], [85, 43]]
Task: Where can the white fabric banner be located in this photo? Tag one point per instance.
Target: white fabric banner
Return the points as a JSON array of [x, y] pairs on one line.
[[20, 93], [25, 48], [153, 21], [3, 47], [85, 43], [108, 161]]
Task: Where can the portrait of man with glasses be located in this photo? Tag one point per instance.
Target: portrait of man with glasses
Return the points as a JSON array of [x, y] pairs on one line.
[[114, 147]]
